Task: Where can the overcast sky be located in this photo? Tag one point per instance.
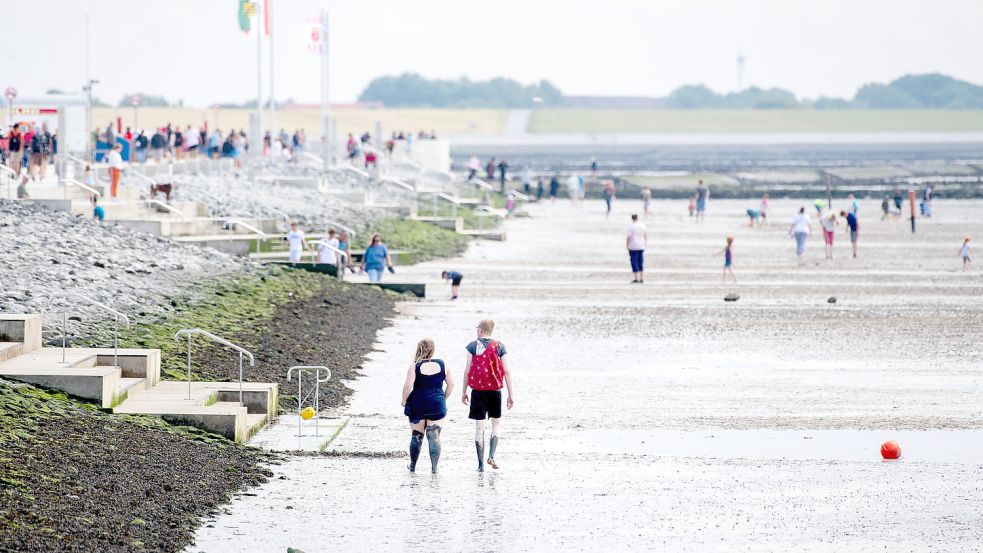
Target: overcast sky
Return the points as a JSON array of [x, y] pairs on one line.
[[193, 49]]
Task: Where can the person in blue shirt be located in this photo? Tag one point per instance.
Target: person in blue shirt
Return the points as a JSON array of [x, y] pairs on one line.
[[851, 223], [98, 213], [455, 278], [376, 259]]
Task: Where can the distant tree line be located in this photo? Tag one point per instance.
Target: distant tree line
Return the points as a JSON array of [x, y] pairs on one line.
[[412, 90], [930, 91]]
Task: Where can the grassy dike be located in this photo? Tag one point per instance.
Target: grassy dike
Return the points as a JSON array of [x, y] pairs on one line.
[[73, 477]]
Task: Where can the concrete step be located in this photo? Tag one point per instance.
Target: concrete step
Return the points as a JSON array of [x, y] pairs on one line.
[[127, 386], [235, 244], [9, 350]]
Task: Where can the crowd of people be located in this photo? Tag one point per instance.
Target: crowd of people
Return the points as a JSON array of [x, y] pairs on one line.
[[28, 149]]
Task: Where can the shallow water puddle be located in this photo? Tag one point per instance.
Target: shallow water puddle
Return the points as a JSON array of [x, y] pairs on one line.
[[930, 446]]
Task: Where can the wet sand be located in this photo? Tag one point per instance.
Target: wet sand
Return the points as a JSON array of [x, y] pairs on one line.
[[657, 416]]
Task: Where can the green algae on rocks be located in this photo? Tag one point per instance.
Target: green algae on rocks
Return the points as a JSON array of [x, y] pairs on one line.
[[73, 477]]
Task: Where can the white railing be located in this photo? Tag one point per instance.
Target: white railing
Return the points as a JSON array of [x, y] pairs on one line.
[[312, 157], [189, 332], [447, 198], [398, 183], [482, 184], [116, 318], [159, 203], [85, 187], [349, 168], [260, 235], [517, 194], [136, 173], [12, 177], [317, 391]]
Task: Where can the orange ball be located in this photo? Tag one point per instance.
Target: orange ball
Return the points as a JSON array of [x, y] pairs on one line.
[[890, 450]]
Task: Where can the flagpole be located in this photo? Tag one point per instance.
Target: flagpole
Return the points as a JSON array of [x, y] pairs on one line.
[[258, 146], [325, 106], [269, 28]]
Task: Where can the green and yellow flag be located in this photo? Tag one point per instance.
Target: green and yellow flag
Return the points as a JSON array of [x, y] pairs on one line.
[[247, 10]]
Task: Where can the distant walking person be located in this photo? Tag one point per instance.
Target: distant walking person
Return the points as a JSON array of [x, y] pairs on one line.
[[829, 224], [854, 206], [573, 188], [503, 168], [425, 393], [646, 200], [800, 229], [927, 195], [966, 254], [115, 161], [765, 208], [376, 258], [455, 278], [554, 187], [326, 250], [702, 197], [474, 165], [636, 238], [485, 372], [609, 193], [296, 243], [853, 225], [490, 169], [728, 253]]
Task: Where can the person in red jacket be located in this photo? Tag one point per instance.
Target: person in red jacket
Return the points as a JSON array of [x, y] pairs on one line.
[[485, 372]]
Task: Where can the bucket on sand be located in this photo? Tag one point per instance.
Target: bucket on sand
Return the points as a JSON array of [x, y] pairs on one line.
[[890, 450]]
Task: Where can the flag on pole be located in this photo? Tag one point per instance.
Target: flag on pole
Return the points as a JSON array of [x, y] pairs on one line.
[[267, 8]]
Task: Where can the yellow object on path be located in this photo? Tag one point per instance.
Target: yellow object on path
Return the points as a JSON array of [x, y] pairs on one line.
[[307, 413]]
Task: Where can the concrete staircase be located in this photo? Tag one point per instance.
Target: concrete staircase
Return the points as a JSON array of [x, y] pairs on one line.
[[132, 384]]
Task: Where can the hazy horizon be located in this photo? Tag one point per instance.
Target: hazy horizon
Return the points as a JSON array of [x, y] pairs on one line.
[[636, 49]]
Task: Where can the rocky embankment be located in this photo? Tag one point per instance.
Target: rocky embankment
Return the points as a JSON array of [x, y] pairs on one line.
[[243, 197], [45, 254], [73, 478]]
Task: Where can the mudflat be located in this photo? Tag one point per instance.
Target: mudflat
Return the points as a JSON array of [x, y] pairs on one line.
[[660, 416]]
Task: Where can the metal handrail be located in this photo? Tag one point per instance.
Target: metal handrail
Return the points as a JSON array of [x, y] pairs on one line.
[[260, 235], [356, 170], [75, 159], [344, 257], [116, 317], [317, 391], [189, 332], [312, 156], [398, 183], [13, 177], [517, 194], [482, 184], [85, 187], [136, 173], [174, 210]]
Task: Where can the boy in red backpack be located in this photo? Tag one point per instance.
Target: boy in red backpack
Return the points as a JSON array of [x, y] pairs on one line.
[[485, 372]]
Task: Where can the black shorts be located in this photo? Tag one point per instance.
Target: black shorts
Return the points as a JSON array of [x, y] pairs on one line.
[[486, 404], [456, 281]]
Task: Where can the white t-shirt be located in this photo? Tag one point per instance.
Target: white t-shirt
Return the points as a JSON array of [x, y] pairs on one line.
[[191, 138], [801, 222], [636, 236], [573, 183], [327, 255], [114, 159], [296, 240], [829, 224]]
